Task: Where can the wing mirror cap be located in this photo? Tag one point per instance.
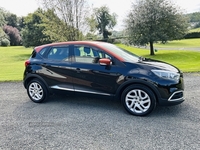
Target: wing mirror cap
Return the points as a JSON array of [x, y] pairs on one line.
[[105, 62]]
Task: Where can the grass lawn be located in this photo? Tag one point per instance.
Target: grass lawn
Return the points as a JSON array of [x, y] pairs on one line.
[[185, 60], [185, 43], [12, 58], [195, 30], [12, 62]]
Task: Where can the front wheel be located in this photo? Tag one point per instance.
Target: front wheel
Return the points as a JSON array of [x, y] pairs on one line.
[[138, 100], [37, 91]]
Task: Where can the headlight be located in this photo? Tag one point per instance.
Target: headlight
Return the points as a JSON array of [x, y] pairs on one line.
[[166, 74]]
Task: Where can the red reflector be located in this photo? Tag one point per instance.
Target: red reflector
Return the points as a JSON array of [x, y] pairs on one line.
[[27, 62]]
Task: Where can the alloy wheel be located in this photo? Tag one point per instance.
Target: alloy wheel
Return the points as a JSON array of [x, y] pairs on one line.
[[138, 101], [36, 91]]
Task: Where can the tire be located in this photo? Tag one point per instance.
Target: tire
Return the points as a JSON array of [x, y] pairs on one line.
[[138, 100], [37, 91]]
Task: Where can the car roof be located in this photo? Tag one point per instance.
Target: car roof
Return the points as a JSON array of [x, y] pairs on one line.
[[92, 43], [97, 44]]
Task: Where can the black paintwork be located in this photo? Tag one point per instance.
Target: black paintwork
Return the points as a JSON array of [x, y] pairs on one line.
[[100, 80]]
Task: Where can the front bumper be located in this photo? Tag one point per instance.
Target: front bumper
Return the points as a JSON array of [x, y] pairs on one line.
[[176, 98], [172, 94]]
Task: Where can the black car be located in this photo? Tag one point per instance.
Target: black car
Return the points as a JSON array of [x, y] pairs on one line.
[[103, 70]]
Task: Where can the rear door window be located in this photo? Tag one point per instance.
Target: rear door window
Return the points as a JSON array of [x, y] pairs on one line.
[[59, 54]]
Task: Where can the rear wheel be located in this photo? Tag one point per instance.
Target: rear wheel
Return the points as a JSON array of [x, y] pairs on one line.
[[138, 100], [37, 91]]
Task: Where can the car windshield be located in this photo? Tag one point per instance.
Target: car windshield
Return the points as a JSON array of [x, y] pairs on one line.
[[128, 56]]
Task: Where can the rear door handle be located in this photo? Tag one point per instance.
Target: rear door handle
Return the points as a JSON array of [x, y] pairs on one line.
[[78, 70]]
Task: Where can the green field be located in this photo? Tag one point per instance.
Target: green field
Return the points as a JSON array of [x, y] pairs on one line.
[[180, 44], [12, 62], [12, 58], [186, 60], [195, 30], [185, 54]]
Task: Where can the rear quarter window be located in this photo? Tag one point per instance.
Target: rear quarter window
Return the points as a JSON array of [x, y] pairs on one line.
[[33, 55], [43, 51]]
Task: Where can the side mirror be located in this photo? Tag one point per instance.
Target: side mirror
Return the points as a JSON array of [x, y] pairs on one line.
[[105, 62]]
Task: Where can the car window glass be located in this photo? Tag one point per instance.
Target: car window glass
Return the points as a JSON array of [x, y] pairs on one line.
[[33, 55], [127, 56], [87, 54], [59, 53], [42, 52]]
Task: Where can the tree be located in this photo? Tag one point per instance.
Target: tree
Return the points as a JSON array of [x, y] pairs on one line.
[[21, 22], [13, 34], [32, 33], [56, 28], [44, 26], [11, 20], [72, 13], [197, 25], [194, 17], [150, 21], [91, 31], [3, 35], [2, 17], [2, 20], [105, 21], [92, 23]]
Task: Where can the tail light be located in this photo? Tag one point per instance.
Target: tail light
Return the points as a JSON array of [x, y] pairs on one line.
[[27, 62]]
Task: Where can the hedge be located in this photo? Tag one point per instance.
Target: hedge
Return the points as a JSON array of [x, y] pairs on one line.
[[192, 35]]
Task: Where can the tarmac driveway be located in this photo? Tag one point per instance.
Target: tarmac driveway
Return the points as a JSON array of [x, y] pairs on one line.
[[86, 123]]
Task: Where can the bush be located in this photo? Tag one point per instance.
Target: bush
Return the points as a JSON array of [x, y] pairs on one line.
[[117, 41], [113, 41], [5, 42], [192, 35], [13, 34]]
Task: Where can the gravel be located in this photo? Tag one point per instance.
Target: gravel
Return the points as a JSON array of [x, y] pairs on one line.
[[76, 123]]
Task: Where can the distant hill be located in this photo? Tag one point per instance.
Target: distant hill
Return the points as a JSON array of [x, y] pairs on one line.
[[194, 17], [194, 20]]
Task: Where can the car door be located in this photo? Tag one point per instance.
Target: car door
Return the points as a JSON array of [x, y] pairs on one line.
[[57, 68], [90, 76]]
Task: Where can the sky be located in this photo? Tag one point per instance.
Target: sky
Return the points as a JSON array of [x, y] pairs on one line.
[[120, 7]]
